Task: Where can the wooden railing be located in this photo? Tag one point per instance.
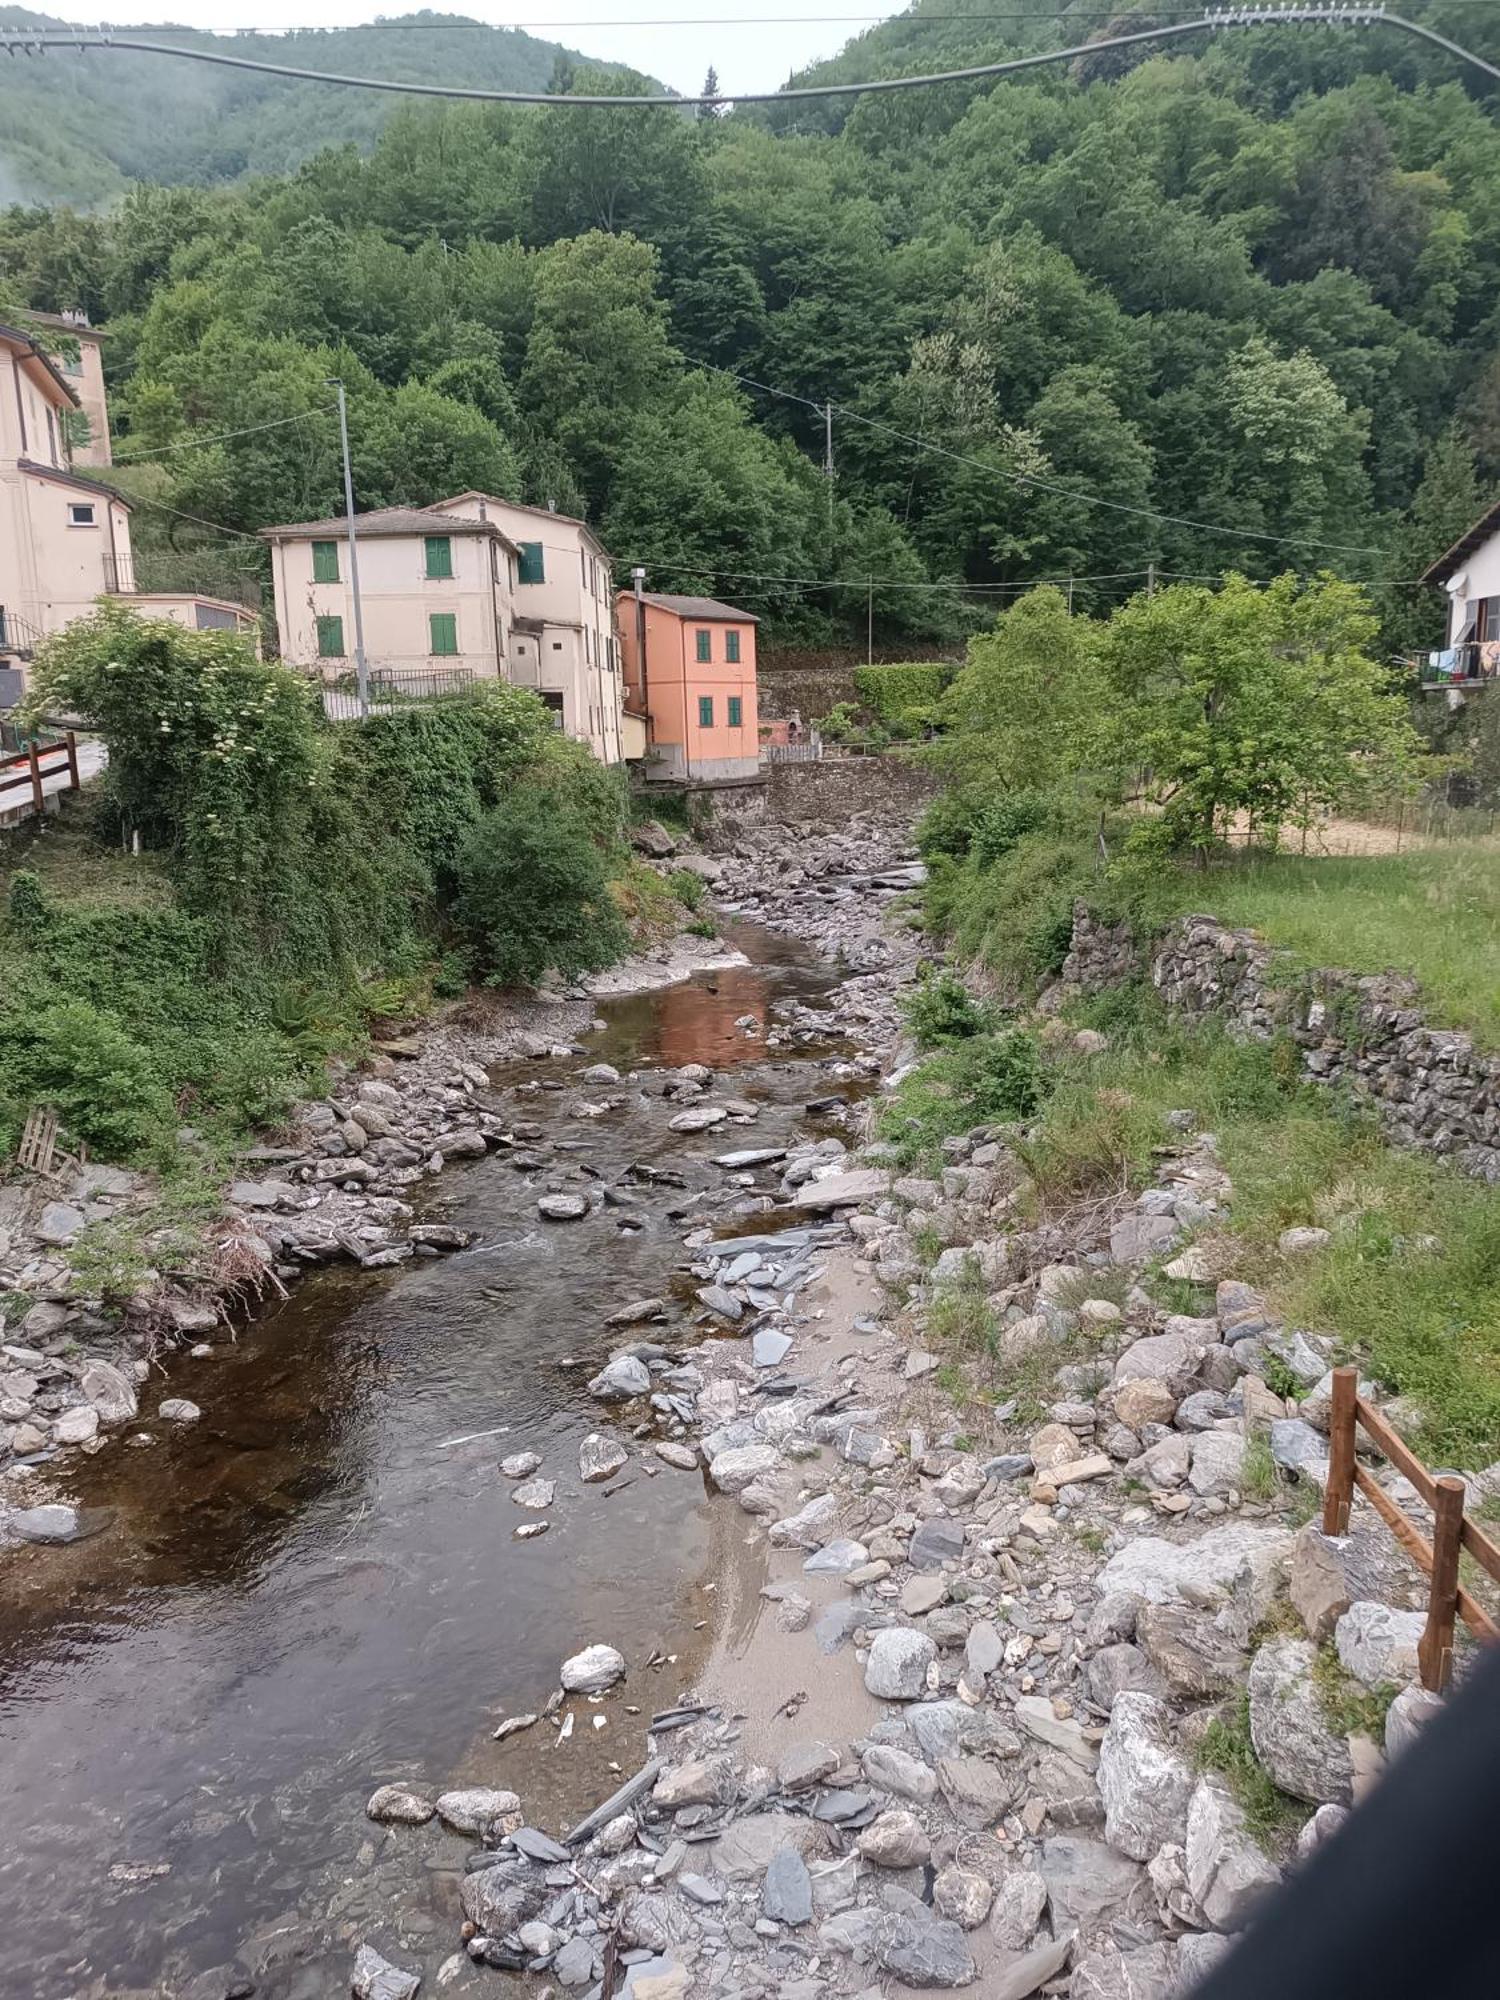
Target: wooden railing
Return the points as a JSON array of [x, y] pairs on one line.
[[23, 772], [1453, 1533]]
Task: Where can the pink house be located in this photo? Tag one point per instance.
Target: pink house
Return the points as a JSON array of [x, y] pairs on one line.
[[690, 668]]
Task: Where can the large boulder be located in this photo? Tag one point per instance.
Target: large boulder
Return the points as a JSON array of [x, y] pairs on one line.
[[1147, 1973], [622, 1377], [1227, 1872], [896, 1669], [1144, 1780], [1377, 1645], [1085, 1880], [1172, 1356], [1164, 1572], [1289, 1729], [1190, 1649], [110, 1392]]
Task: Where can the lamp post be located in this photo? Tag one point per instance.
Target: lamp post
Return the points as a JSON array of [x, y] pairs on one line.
[[361, 666]]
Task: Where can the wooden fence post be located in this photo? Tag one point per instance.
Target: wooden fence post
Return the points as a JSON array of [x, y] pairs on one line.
[[1435, 1650], [71, 740], [1340, 1491], [38, 796]]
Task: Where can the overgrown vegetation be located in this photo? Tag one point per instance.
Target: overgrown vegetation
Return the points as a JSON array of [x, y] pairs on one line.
[[1271, 1815], [298, 881], [982, 1080]]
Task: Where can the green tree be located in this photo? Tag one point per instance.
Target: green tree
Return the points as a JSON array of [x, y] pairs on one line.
[[1253, 701], [533, 893], [1027, 708]]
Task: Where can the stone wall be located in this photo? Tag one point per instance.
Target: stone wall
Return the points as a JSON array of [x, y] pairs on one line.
[[806, 688], [1432, 1087], [828, 793]]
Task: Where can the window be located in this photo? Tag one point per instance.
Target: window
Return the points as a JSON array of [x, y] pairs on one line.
[[531, 569], [442, 627], [553, 701], [325, 562], [1489, 618], [705, 707], [732, 648], [81, 514], [439, 555], [705, 645], [736, 711], [330, 638]]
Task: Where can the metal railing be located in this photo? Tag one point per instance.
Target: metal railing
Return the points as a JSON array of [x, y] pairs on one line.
[[18, 636], [391, 689], [1476, 660]]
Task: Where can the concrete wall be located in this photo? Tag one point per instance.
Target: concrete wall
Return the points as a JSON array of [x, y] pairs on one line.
[[1481, 574], [1431, 1087], [85, 377], [52, 567], [827, 794]]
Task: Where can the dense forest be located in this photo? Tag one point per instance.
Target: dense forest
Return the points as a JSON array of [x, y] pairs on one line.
[[1234, 305]]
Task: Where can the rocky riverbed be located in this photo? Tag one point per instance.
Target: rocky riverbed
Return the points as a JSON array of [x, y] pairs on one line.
[[920, 1692]]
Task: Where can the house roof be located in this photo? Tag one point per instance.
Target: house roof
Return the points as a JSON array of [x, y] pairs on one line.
[[521, 507], [383, 521], [698, 607], [64, 476], [1454, 558], [33, 351], [80, 328]]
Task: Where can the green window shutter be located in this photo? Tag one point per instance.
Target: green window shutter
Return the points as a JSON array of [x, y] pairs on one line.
[[736, 711], [439, 555], [732, 648], [443, 629], [325, 562], [705, 646], [705, 711], [530, 569], [331, 638]]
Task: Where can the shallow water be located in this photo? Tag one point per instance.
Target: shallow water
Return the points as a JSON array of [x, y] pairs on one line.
[[314, 1590]]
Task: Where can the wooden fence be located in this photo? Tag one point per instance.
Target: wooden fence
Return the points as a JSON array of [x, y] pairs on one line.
[[1453, 1533], [22, 774]]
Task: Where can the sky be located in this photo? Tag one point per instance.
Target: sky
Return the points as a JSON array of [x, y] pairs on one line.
[[758, 55]]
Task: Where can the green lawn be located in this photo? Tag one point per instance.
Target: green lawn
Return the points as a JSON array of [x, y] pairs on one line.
[[1434, 914]]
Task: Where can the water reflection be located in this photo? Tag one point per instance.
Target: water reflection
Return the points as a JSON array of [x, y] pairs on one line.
[[313, 1591]]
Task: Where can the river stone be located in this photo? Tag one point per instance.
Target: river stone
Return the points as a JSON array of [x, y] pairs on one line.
[[1144, 1782], [1298, 1448], [746, 1849], [1407, 1716], [521, 1464], [979, 1793], [53, 1522], [895, 1839], [1218, 1463], [622, 1377], [399, 1805], [77, 1426], [1114, 1669], [840, 1557], [702, 1781], [721, 1303], [808, 1527], [1017, 1913], [1161, 1571], [599, 1458], [475, 1807], [1187, 1647], [1172, 1357], [896, 1771], [807, 1765], [937, 1541], [593, 1670], [683, 1457], [1085, 1879], [502, 1898], [535, 1495], [1378, 1645], [923, 1950], [58, 1223], [786, 1894], [1137, 1236], [945, 1728], [1227, 1872], [111, 1394], [1289, 1729], [896, 1669], [1017, 1977], [858, 1188], [963, 1896], [1035, 1714], [699, 1118], [1148, 1973], [1144, 1400], [770, 1347], [562, 1207], [742, 1465], [375, 1978], [178, 1410]]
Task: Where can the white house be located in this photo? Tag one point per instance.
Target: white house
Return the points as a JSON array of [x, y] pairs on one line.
[[1470, 573], [563, 626]]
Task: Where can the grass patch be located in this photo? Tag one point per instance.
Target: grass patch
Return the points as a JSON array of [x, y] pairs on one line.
[[1271, 1816], [1350, 1708], [985, 1080], [1433, 913], [961, 1318], [690, 890], [1258, 1471], [927, 1244]]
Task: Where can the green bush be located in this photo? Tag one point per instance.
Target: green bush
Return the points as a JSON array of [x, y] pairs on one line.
[[688, 888], [1005, 821], [986, 1080], [888, 691], [100, 1080], [939, 1010], [533, 892]]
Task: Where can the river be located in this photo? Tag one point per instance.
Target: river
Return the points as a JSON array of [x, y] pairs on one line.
[[314, 1591]]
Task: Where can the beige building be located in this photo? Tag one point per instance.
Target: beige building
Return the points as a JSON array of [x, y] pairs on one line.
[[473, 588], [64, 538], [73, 346]]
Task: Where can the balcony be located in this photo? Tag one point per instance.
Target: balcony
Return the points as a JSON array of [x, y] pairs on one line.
[[1471, 664], [181, 573]]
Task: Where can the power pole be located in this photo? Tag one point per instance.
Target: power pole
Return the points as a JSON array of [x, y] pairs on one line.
[[361, 665], [869, 621], [1151, 579], [828, 461]]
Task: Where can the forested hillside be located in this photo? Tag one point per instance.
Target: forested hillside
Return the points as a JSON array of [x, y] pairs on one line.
[[1232, 305], [80, 127]]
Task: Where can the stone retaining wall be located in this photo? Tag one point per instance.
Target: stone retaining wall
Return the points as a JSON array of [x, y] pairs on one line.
[[829, 793], [1431, 1086]]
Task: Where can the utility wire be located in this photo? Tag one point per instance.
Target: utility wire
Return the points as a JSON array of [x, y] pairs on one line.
[[1234, 17], [1051, 485], [219, 437]]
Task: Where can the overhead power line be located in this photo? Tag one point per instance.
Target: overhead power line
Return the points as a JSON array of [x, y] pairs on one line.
[[20, 42], [219, 437], [1051, 485]]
